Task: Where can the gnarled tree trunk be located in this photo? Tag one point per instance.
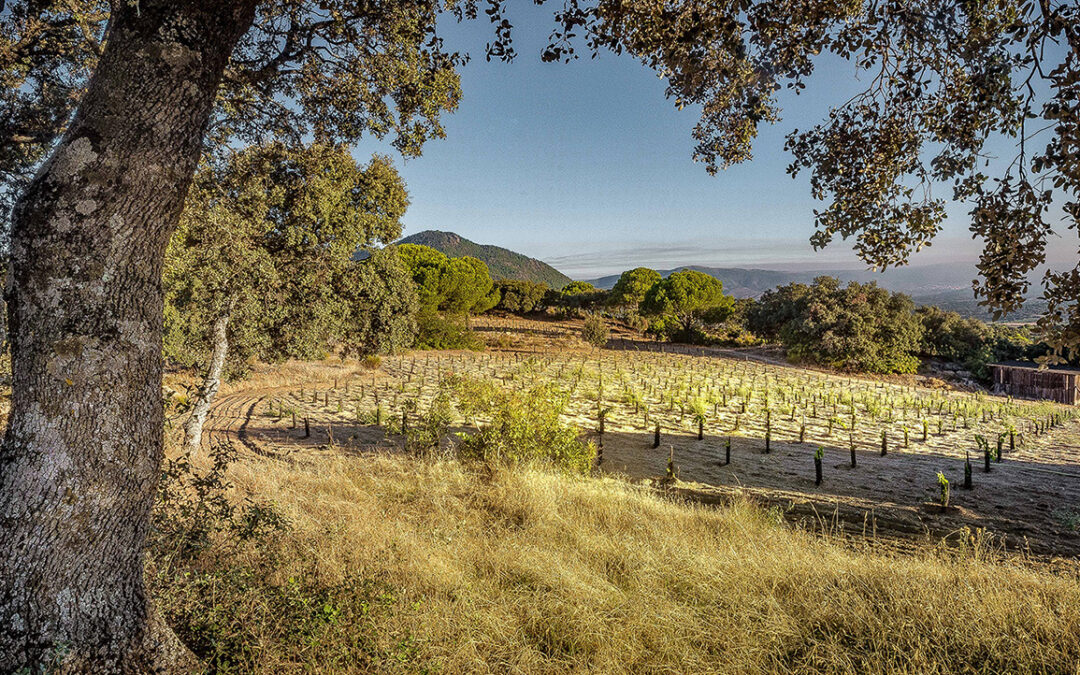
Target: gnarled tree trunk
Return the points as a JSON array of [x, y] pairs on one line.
[[79, 463], [194, 426]]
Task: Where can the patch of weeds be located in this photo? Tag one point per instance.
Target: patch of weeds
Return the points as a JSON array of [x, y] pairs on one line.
[[1069, 518]]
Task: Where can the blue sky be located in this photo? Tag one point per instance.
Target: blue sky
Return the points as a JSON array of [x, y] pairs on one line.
[[587, 166]]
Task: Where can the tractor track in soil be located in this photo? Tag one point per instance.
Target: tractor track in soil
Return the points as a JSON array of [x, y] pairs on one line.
[[241, 419], [229, 420]]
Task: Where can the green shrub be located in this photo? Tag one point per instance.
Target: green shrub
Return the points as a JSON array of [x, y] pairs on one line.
[[595, 331], [854, 327], [520, 427], [973, 343], [445, 332], [371, 362], [521, 297], [425, 434]]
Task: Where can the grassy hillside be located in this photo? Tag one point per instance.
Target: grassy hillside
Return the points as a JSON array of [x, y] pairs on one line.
[[391, 564], [501, 262]]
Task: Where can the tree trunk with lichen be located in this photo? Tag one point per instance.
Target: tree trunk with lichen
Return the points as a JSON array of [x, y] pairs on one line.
[[211, 383], [80, 460]]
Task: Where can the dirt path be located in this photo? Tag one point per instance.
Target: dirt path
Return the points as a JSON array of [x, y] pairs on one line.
[[252, 422]]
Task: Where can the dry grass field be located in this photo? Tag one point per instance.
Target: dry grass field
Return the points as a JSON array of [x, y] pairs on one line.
[[375, 559], [399, 565]]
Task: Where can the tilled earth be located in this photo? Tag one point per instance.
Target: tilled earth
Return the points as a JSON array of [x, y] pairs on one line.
[[1030, 501]]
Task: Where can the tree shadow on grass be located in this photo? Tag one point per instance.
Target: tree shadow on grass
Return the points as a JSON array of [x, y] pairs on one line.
[[1029, 505]]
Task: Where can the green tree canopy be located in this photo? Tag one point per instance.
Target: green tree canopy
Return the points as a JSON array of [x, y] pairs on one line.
[[378, 306], [578, 288], [267, 235], [971, 342], [577, 296], [776, 307], [687, 297], [857, 327], [521, 297], [452, 285], [629, 291], [260, 263]]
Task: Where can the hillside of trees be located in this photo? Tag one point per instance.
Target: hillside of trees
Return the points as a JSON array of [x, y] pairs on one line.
[[502, 263]]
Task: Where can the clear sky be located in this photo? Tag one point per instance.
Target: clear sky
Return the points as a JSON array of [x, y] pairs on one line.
[[588, 166]]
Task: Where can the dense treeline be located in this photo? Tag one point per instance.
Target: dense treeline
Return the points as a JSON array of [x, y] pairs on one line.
[[852, 327], [865, 328]]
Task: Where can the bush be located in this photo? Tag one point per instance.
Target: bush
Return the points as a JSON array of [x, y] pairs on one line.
[[427, 430], [857, 327], [521, 297], [445, 332], [669, 329], [595, 331], [522, 427], [371, 362], [973, 343]]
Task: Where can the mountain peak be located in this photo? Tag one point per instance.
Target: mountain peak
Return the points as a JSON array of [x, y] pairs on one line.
[[502, 263]]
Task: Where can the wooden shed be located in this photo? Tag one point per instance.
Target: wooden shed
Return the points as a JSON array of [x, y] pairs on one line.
[[1024, 379]]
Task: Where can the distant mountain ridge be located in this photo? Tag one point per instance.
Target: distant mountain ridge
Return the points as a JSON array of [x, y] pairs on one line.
[[502, 263]]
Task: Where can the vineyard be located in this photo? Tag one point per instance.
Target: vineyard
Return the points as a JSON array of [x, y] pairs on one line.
[[716, 422]]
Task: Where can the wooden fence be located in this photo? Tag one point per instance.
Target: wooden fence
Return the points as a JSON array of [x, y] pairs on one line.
[[1062, 386]]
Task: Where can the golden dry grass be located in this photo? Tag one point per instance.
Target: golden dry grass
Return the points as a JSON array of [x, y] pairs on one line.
[[526, 571]]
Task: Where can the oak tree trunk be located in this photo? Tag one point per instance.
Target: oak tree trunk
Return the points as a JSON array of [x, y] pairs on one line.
[[211, 383], [80, 460]]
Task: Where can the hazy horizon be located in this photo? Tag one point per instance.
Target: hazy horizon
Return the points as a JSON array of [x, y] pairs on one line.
[[588, 167], [592, 260]]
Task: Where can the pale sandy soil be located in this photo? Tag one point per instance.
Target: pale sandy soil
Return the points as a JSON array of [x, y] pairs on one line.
[[1031, 499]]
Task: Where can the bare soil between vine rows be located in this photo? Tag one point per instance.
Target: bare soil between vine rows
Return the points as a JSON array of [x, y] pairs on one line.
[[1030, 501]]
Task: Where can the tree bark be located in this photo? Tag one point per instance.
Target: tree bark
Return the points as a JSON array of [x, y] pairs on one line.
[[209, 389], [80, 461]]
